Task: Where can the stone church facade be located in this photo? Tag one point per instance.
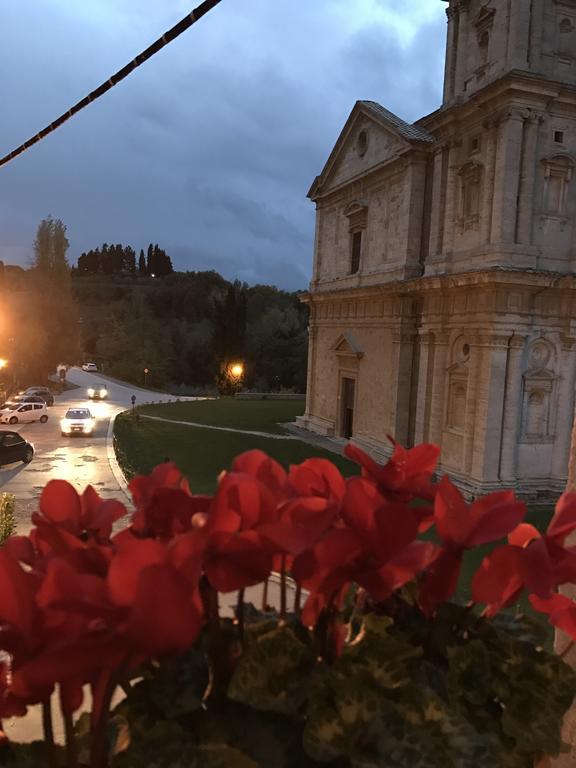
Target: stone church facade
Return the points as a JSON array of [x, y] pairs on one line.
[[443, 297]]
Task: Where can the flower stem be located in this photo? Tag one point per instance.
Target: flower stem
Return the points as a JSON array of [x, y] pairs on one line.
[[99, 742], [283, 588], [48, 729], [297, 599], [71, 746], [265, 596], [240, 615]]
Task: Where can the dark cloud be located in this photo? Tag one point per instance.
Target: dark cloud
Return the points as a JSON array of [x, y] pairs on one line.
[[210, 147]]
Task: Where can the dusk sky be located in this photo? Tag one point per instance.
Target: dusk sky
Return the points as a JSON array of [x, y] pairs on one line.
[[210, 147]]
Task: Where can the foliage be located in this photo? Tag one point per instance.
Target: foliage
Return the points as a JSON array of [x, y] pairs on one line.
[[119, 259], [7, 516], [203, 323], [377, 667], [40, 327]]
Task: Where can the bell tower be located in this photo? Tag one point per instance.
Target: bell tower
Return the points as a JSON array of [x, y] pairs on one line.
[[490, 38]]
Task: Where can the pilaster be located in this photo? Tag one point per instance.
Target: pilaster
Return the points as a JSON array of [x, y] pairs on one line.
[[525, 213], [508, 160], [438, 395], [507, 459]]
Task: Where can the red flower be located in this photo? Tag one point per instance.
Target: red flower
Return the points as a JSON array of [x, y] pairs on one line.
[[462, 526], [407, 474], [529, 561], [82, 516], [317, 478], [561, 612], [375, 548]]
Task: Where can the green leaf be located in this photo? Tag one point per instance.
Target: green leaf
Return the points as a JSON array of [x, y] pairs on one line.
[[273, 673], [470, 674]]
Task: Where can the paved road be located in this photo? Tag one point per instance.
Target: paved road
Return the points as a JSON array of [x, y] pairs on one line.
[[80, 460]]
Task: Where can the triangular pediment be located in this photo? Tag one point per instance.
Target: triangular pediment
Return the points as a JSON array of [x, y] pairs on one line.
[[347, 344], [372, 136]]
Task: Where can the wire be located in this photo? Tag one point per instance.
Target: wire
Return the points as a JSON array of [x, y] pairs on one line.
[[166, 38]]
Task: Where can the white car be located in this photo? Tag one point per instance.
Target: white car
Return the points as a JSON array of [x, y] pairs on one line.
[[77, 421], [89, 367], [21, 412]]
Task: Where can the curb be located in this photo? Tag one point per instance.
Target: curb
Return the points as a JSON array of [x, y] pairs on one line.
[[113, 461]]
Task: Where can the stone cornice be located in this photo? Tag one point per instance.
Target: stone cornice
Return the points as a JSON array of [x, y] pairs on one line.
[[516, 83], [492, 277]]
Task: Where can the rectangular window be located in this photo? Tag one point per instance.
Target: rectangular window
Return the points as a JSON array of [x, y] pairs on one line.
[[559, 137], [356, 250]]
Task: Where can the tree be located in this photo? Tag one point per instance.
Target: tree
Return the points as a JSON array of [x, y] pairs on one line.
[[129, 260], [150, 261], [50, 247], [142, 263]]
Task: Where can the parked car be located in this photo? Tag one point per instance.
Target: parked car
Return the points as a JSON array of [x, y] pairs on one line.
[[42, 392], [13, 447], [21, 412], [21, 397], [89, 367], [99, 392], [77, 421]]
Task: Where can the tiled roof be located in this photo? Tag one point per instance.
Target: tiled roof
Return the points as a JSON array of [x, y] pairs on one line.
[[411, 132]]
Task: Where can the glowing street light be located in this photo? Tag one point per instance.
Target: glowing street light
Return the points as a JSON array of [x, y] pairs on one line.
[[3, 363], [236, 370]]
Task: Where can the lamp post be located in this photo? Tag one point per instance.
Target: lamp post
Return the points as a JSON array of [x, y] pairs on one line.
[[146, 372]]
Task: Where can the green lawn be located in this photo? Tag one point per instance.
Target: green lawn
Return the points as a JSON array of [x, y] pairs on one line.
[[202, 453], [255, 415]]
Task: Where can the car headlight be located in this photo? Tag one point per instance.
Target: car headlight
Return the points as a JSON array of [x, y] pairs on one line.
[[64, 426], [103, 392], [90, 392], [88, 427]]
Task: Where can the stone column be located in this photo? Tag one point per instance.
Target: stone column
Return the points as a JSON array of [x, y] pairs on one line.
[[438, 394], [437, 203], [512, 412], [452, 195], [490, 408], [525, 212], [517, 54], [451, 54], [424, 394], [478, 368], [461, 7], [491, 127], [508, 159], [311, 372], [403, 346], [317, 253], [565, 405]]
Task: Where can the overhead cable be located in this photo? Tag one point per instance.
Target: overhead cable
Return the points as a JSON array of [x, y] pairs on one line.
[[166, 38]]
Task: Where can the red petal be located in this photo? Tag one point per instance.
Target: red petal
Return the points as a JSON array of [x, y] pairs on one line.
[[133, 556], [237, 561], [493, 517], [561, 612], [451, 513], [164, 617], [17, 597], [317, 477], [60, 504], [261, 466], [523, 534], [498, 581], [441, 580]]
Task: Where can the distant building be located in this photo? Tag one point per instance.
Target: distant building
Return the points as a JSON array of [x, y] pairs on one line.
[[443, 297]]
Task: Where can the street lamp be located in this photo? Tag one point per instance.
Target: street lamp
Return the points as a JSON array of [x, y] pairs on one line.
[[236, 370], [3, 363], [146, 372]]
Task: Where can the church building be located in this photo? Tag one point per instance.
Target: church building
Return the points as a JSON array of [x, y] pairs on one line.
[[443, 297]]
